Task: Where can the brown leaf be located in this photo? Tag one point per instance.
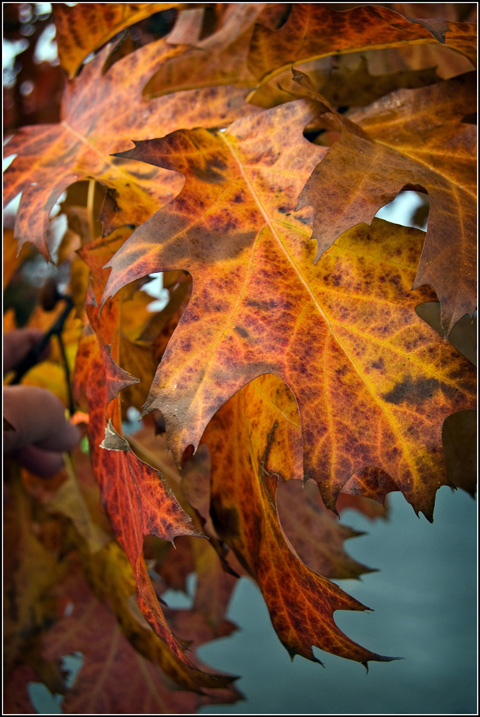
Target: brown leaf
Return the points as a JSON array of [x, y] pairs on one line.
[[87, 26], [218, 59], [314, 532], [114, 678], [138, 503], [314, 30], [444, 18], [101, 112], [460, 441], [410, 138], [341, 329], [344, 80]]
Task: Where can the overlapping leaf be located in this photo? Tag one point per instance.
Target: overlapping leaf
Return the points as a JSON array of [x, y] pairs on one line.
[[101, 112], [344, 81], [114, 677], [416, 138], [137, 500], [261, 54], [447, 61], [218, 59], [372, 382], [314, 532], [314, 30], [214, 586], [301, 602], [87, 26], [135, 497]]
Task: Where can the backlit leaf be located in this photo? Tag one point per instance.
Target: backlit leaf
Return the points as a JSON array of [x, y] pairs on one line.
[[301, 602], [87, 26], [101, 112], [315, 30], [410, 138], [372, 382]]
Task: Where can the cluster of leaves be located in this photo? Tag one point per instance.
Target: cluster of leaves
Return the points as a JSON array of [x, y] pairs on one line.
[[289, 371]]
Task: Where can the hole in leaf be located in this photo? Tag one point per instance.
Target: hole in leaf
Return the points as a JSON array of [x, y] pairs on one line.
[[409, 208]]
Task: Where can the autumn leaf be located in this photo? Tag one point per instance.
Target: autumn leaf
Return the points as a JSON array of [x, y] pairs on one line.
[[410, 138], [122, 331], [221, 57], [31, 568], [114, 677], [314, 30], [301, 602], [294, 372], [315, 534], [137, 500], [69, 501], [138, 503], [87, 26], [215, 581], [343, 334], [314, 531], [447, 61], [343, 80], [101, 112]]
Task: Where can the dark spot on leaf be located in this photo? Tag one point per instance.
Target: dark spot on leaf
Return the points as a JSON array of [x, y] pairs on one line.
[[264, 305], [411, 391], [240, 330], [211, 172]]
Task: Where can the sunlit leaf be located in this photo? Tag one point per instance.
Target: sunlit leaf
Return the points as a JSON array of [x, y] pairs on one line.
[[93, 126], [372, 382], [410, 138]]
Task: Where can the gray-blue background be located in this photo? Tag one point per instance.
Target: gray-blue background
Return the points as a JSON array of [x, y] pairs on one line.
[[424, 601]]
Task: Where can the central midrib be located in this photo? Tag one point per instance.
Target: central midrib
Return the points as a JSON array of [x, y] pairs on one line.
[[390, 419]]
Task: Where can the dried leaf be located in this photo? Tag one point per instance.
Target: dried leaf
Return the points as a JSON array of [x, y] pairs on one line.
[[138, 503], [87, 26], [344, 80], [301, 602], [114, 677], [101, 112], [314, 532], [410, 138], [341, 329], [315, 30], [221, 57]]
